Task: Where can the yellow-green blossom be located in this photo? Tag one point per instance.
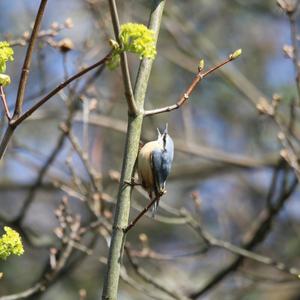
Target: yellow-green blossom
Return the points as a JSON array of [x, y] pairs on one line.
[[137, 38], [10, 243], [134, 38], [6, 54]]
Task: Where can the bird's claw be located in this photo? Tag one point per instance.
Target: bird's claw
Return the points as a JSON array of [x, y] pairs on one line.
[[162, 192], [132, 182]]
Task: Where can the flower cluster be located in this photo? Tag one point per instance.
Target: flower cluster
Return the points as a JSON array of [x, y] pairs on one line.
[[134, 38], [137, 38], [10, 243], [6, 54]]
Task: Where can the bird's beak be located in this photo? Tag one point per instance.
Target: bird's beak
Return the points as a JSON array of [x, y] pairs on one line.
[[166, 130]]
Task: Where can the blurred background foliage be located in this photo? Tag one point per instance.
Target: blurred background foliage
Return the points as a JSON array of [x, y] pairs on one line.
[[219, 125]]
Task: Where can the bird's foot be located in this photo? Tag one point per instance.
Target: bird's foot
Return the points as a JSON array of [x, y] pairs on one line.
[[162, 192], [132, 182]]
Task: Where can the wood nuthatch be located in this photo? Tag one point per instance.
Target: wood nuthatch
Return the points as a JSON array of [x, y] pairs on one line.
[[154, 165]]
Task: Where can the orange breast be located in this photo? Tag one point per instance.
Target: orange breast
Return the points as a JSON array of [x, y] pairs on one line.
[[145, 167]]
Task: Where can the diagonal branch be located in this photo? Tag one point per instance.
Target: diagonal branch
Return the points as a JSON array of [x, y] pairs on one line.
[[151, 279], [198, 78], [132, 223], [59, 88], [82, 155], [242, 252], [27, 61], [4, 102], [14, 123], [253, 237]]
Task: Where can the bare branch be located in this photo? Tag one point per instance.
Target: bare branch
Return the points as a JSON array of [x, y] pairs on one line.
[[4, 102], [16, 122], [27, 61], [132, 108], [140, 215], [151, 279], [253, 236], [30, 111], [293, 28], [199, 76], [82, 155]]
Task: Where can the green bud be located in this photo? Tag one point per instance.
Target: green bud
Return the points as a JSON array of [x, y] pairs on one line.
[[4, 80], [235, 54], [201, 65], [114, 44]]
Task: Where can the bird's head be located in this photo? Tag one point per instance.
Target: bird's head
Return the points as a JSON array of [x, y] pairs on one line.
[[164, 138]]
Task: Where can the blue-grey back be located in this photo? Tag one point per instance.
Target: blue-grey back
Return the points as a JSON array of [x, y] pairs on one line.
[[162, 161]]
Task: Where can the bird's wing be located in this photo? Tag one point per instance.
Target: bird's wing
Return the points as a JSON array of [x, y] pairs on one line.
[[157, 185], [156, 163]]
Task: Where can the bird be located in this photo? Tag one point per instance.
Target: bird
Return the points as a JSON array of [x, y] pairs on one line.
[[154, 165]]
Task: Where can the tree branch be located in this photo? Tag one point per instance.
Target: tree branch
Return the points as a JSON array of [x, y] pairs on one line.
[[16, 122], [59, 88], [140, 215], [254, 235], [132, 109], [134, 127], [295, 58], [27, 61], [198, 78], [4, 102]]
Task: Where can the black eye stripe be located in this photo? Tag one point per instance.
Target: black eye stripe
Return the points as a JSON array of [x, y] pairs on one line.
[[164, 141]]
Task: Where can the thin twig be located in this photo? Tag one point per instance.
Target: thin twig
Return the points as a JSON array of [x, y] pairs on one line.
[[38, 181], [82, 155], [4, 101], [59, 88], [49, 275], [208, 153], [140, 215], [212, 241], [56, 150], [151, 279], [198, 78], [253, 236], [178, 27], [295, 58], [14, 123], [42, 34], [27, 61], [132, 108]]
